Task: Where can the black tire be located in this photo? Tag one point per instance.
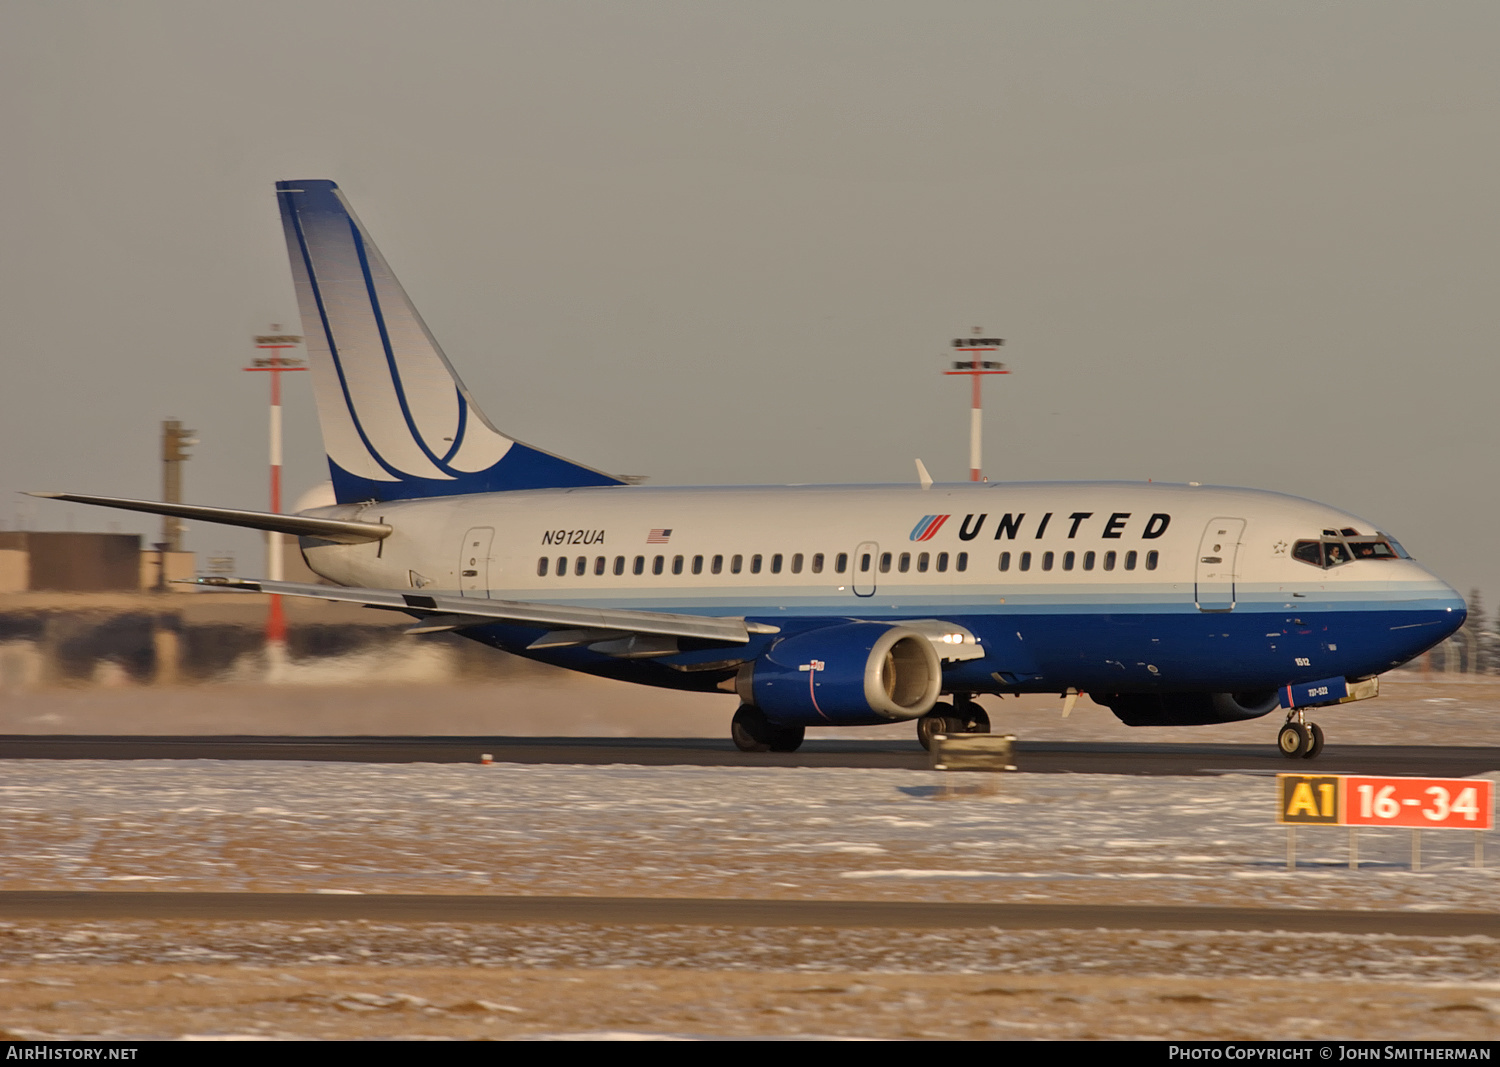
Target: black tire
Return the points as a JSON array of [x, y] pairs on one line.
[[1315, 742], [976, 720], [940, 720], [1293, 740], [750, 730], [787, 738]]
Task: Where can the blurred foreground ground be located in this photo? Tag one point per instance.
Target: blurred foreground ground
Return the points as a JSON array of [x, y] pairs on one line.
[[529, 700]]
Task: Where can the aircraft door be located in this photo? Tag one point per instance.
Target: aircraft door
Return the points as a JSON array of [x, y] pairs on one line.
[[1217, 552], [862, 568], [474, 562]]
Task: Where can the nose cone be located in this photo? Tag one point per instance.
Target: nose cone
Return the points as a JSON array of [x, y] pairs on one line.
[[1432, 612]]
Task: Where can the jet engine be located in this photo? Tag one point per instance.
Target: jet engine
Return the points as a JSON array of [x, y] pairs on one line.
[[855, 674], [1187, 709]]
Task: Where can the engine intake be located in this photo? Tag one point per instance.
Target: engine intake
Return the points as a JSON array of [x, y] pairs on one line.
[[856, 674]]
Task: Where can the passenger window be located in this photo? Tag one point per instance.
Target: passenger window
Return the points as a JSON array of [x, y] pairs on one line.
[[841, 563], [1151, 558], [658, 564], [1130, 560], [541, 567], [562, 566], [735, 564], [640, 565], [1047, 561], [1026, 561], [817, 563], [797, 563], [1068, 558], [942, 562], [961, 563], [697, 564], [922, 558], [599, 565], [1088, 561], [581, 565], [776, 563], [676, 564], [1109, 561], [904, 563], [619, 564], [885, 563], [1005, 561], [718, 565], [755, 564], [864, 563]]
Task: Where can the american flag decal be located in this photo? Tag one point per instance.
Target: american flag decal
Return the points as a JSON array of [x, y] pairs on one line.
[[658, 537]]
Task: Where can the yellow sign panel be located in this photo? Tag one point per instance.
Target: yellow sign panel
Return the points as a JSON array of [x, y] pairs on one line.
[[1310, 798]]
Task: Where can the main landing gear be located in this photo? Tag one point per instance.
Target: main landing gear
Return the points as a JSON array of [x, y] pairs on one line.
[[753, 732], [963, 716], [1299, 739]]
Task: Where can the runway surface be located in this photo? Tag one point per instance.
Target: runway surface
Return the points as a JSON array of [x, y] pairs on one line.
[[700, 911], [1044, 757]]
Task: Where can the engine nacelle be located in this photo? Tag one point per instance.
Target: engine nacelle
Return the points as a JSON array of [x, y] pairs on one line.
[[857, 674], [1187, 709]]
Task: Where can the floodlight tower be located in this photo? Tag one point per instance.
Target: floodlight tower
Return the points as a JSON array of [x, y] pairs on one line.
[[275, 360], [976, 366], [175, 441]]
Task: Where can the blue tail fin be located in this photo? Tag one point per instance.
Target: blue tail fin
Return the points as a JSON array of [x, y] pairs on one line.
[[397, 422]]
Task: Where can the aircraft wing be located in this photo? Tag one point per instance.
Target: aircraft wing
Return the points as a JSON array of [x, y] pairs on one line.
[[579, 625], [341, 531]]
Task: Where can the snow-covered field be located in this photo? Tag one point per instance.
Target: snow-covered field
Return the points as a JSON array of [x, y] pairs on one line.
[[699, 831], [726, 832]]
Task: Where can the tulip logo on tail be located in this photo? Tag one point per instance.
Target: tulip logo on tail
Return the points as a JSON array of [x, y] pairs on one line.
[[929, 525]]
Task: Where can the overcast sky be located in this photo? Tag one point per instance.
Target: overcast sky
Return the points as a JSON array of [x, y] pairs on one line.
[[1239, 243]]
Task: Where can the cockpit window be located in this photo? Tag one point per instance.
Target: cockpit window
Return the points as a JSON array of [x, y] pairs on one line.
[[1308, 552], [1396, 545], [1334, 550]]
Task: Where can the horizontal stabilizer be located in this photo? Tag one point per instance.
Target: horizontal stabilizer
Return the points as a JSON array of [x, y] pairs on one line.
[[454, 611], [341, 531]]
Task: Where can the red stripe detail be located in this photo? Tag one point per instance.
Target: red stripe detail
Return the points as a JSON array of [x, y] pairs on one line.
[[937, 524]]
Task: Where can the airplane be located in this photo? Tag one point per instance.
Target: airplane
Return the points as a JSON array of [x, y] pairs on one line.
[[834, 605]]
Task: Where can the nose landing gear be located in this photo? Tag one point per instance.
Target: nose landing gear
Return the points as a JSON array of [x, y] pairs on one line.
[[1300, 739]]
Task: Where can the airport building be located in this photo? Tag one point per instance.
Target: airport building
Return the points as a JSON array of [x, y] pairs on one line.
[[67, 562]]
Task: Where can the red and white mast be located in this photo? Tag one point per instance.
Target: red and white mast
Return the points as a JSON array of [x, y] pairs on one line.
[[274, 359], [976, 348]]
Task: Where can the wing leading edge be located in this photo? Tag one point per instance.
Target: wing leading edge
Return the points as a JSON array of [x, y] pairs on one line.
[[456, 613]]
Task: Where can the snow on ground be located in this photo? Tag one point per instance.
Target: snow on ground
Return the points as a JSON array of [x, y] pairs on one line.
[[699, 831], [729, 832]]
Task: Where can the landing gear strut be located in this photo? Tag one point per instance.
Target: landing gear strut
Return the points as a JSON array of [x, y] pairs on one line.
[[753, 732], [963, 716], [1300, 739]]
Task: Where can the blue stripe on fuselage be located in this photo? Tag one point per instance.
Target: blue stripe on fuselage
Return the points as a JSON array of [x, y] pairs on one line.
[[1101, 650]]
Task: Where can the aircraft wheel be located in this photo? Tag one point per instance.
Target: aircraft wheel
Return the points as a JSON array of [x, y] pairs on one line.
[[1293, 740], [787, 738], [1315, 741], [751, 730], [940, 720], [976, 720]]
